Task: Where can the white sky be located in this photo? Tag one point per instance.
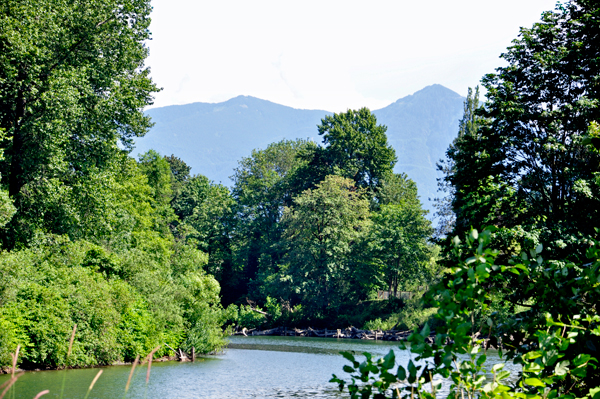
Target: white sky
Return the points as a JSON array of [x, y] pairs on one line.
[[328, 54]]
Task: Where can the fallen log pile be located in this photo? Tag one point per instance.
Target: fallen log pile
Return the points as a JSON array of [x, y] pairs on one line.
[[349, 333]]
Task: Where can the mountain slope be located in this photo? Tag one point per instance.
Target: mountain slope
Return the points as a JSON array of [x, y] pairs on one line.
[[420, 128], [212, 138]]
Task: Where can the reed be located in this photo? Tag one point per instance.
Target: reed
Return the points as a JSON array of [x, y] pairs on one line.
[[93, 383], [9, 384], [39, 395], [71, 342], [150, 356], [137, 358], [14, 360]]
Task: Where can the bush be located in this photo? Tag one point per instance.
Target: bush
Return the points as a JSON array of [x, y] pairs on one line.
[[123, 304], [556, 351]]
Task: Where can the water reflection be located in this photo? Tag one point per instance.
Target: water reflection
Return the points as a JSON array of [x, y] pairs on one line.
[[253, 367]]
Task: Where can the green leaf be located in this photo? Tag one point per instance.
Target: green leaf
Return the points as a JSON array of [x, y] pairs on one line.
[[401, 373], [534, 382], [481, 359], [348, 356], [425, 331], [594, 393], [497, 366], [581, 359], [562, 368], [474, 234], [389, 360]]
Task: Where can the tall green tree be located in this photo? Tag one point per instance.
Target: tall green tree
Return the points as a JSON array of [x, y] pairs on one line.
[[398, 243], [323, 229], [180, 172], [263, 186], [397, 189], [527, 165], [72, 86], [468, 127], [205, 212], [354, 146]]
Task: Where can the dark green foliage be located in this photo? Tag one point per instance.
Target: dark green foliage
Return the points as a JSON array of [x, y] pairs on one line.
[[180, 172], [445, 206], [526, 164], [179, 169], [263, 187], [322, 230], [313, 247], [205, 212], [354, 146], [86, 230], [556, 342], [398, 245]]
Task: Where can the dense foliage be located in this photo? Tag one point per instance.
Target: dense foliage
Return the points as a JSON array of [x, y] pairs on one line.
[[87, 232], [557, 353], [311, 226], [524, 167], [526, 164], [135, 252]]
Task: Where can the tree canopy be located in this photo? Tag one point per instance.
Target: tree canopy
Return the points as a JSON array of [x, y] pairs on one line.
[[526, 164], [354, 146], [73, 87]]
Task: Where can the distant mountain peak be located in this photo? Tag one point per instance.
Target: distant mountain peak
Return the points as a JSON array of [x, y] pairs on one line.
[[213, 137], [437, 89]]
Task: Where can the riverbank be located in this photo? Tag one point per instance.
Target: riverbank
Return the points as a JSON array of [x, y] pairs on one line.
[[348, 333], [8, 370]]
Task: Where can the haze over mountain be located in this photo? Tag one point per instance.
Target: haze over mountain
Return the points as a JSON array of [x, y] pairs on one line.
[[213, 137]]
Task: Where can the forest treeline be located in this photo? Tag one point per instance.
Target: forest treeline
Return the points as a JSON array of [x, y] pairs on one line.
[[138, 252]]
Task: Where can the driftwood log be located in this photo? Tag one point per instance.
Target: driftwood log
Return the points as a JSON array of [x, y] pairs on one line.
[[349, 333], [355, 333]]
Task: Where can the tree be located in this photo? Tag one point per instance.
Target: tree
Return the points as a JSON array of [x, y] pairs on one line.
[[323, 227], [467, 126], [355, 147], [159, 177], [73, 85], [399, 245], [263, 186], [527, 165], [180, 172], [398, 189], [205, 210]]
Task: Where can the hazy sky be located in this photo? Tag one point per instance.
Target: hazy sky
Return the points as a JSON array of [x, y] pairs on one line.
[[330, 55]]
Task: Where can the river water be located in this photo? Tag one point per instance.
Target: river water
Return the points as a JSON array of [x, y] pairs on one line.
[[252, 367]]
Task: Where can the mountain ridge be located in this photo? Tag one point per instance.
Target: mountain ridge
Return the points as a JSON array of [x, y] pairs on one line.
[[213, 137]]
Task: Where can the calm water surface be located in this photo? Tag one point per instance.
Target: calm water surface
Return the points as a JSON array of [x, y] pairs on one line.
[[252, 367]]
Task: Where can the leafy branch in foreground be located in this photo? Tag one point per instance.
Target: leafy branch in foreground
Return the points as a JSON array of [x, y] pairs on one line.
[[553, 361]]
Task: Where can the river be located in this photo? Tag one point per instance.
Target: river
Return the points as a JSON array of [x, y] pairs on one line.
[[252, 367]]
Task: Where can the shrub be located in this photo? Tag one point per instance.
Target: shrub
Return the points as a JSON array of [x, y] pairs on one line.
[[556, 351]]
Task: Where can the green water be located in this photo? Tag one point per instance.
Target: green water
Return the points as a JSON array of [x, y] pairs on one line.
[[252, 367]]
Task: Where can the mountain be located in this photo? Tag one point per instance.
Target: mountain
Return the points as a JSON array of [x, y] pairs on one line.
[[213, 137], [420, 128]]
